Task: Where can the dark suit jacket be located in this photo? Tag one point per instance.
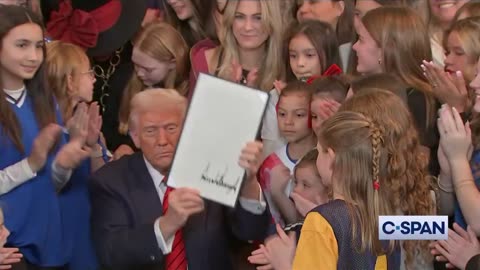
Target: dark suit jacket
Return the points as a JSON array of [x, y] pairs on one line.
[[125, 205]]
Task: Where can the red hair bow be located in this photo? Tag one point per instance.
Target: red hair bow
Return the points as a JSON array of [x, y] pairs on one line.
[[80, 27], [332, 70]]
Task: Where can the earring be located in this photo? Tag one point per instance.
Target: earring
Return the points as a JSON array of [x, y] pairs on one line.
[[379, 61]]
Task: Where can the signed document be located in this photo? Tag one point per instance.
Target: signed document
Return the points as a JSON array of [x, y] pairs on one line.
[[222, 117]]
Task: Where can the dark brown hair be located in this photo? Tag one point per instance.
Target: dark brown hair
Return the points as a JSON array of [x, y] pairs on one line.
[[202, 19], [309, 159], [384, 81], [297, 87], [400, 33], [335, 87], [345, 30], [323, 38], [37, 88]]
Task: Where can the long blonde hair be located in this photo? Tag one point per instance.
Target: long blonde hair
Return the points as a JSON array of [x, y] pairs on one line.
[[468, 31], [162, 42], [401, 34], [63, 60], [359, 166], [406, 180], [272, 67]]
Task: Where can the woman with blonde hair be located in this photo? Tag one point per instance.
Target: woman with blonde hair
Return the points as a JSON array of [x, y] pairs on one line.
[[439, 15], [251, 44], [392, 40], [462, 46], [160, 57]]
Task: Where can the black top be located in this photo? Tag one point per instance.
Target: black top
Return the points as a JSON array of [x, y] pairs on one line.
[[428, 133], [473, 263], [115, 89]]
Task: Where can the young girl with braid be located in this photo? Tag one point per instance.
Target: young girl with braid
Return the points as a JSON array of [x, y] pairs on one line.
[[407, 161], [345, 230], [371, 118], [370, 179]]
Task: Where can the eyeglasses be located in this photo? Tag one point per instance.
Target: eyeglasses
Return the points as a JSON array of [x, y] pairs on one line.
[[90, 73]]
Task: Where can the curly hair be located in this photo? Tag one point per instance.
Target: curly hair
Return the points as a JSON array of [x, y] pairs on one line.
[[406, 181]]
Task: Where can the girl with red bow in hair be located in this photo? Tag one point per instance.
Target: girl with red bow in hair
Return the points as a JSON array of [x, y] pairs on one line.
[[312, 51]]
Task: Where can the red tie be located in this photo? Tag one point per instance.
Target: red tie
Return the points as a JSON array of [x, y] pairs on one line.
[[177, 259]]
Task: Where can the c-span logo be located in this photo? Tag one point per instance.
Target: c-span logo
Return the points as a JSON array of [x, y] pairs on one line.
[[413, 227]]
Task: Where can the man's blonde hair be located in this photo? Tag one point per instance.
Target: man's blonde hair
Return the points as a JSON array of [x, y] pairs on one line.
[[156, 99]]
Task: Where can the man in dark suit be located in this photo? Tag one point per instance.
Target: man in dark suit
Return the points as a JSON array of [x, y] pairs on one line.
[[131, 229]]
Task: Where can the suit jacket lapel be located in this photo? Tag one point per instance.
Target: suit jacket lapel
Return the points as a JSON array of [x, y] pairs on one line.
[[143, 190]]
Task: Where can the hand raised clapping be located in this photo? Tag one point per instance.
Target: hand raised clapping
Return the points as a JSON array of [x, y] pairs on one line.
[[455, 136], [448, 88]]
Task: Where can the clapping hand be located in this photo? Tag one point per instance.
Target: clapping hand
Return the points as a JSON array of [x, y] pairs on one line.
[[77, 126], [9, 256], [455, 137], [460, 246], [277, 253], [279, 86], [237, 74], [42, 145], [448, 88], [94, 124]]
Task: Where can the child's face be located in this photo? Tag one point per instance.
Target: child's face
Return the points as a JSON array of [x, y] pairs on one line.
[[4, 232], [321, 110], [369, 54], [21, 54], [456, 58], [475, 85], [308, 184], [149, 70], [84, 82], [325, 160], [292, 116], [303, 56]]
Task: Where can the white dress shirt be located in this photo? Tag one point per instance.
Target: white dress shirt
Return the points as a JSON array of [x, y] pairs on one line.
[[256, 207]]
